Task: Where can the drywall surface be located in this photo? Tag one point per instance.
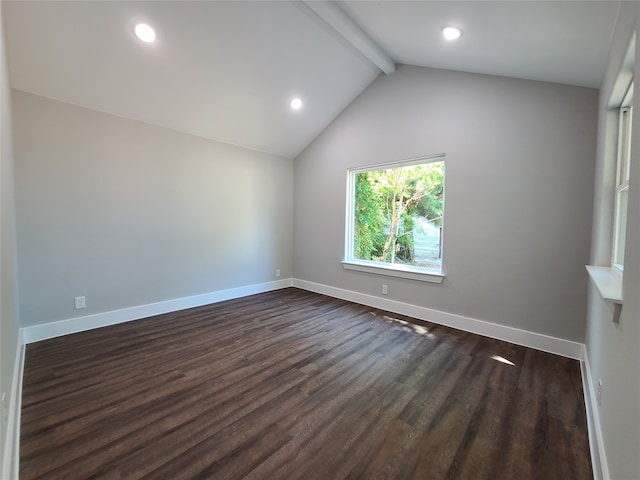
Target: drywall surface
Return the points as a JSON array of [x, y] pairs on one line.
[[613, 350], [126, 213], [519, 192], [8, 257]]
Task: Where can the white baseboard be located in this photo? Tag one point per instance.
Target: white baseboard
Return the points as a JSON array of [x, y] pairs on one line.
[[596, 441], [79, 324], [11, 454], [545, 343]]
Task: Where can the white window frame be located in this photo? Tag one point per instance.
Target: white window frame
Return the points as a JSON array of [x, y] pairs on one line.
[[382, 268], [608, 280], [622, 178]]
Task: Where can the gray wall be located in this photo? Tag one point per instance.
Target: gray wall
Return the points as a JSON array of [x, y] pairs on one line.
[[127, 213], [519, 178], [8, 256], [614, 350]]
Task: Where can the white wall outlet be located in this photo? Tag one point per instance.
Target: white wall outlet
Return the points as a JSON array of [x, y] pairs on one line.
[[384, 289], [278, 273], [80, 302], [599, 397]]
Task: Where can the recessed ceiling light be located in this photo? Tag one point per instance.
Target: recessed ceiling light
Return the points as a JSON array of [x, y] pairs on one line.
[[296, 104], [145, 33], [451, 33]]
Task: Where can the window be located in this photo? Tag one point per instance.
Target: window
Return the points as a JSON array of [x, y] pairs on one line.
[[395, 215], [617, 149], [622, 179]]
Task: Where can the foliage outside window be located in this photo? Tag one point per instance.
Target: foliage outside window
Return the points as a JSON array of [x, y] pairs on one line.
[[622, 179], [396, 213]]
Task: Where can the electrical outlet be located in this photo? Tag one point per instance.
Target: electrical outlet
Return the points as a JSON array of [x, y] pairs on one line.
[[384, 289], [599, 392], [80, 302], [278, 273]]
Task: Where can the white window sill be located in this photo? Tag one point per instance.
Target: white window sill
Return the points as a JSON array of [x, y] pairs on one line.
[[608, 282], [396, 270]]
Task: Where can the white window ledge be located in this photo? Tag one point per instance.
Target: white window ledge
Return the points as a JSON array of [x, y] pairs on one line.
[[395, 270], [608, 282]]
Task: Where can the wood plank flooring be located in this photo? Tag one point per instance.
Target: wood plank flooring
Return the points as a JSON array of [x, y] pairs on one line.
[[295, 385]]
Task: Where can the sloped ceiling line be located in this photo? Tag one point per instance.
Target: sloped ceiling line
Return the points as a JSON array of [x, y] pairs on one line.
[[352, 33]]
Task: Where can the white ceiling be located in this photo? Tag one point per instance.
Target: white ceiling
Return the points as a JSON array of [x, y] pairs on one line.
[[227, 70], [553, 41]]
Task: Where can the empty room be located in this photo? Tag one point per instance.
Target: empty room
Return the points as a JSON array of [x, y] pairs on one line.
[[319, 240]]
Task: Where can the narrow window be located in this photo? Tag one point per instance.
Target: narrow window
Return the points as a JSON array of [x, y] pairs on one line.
[[395, 215], [622, 179]]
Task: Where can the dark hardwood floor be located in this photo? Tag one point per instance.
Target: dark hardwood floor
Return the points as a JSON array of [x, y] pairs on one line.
[[295, 385]]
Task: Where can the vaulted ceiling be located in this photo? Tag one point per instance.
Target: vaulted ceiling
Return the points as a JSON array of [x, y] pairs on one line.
[[228, 70]]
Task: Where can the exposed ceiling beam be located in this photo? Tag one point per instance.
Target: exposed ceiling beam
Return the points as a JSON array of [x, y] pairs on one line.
[[352, 33]]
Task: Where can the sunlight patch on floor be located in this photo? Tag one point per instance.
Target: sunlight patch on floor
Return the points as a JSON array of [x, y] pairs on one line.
[[500, 359], [411, 327]]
